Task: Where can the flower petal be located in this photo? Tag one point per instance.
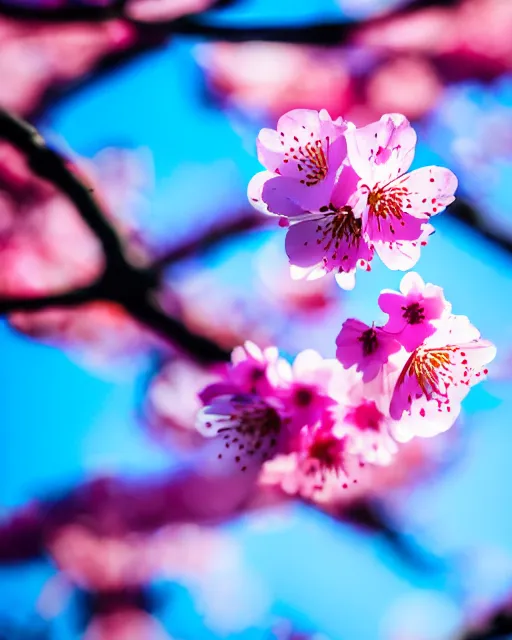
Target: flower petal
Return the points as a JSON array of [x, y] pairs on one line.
[[382, 150]]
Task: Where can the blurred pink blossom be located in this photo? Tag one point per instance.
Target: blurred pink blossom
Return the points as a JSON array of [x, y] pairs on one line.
[[156, 10], [37, 57], [261, 76], [410, 85], [308, 298], [173, 401], [456, 38], [126, 624], [46, 248]]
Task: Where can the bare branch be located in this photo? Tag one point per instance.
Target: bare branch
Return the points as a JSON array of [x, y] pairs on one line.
[[48, 164], [131, 286], [67, 299]]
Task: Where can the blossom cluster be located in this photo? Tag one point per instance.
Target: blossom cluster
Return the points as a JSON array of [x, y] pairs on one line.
[[312, 427], [326, 419], [345, 193]]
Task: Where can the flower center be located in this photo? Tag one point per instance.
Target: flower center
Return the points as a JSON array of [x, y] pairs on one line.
[[387, 202], [369, 341], [255, 434], [365, 416], [341, 226], [311, 158], [303, 396], [327, 451], [432, 369], [414, 313]]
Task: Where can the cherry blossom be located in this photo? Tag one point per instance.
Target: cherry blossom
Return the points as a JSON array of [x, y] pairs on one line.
[[173, 402], [366, 348], [435, 378], [258, 77], [329, 242], [309, 184], [343, 201], [244, 429], [362, 412], [252, 371], [303, 158], [412, 311], [320, 461], [306, 398], [36, 57], [394, 206]]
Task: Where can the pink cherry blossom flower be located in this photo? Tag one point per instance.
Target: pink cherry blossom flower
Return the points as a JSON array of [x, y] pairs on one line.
[[306, 397], [321, 459], [436, 377], [252, 371], [366, 348], [303, 158], [394, 205], [331, 241], [172, 402], [415, 461], [35, 57], [413, 310], [362, 413], [309, 183], [244, 429]]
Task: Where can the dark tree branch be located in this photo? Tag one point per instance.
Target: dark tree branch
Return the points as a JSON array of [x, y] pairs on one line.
[[151, 315], [49, 165], [60, 14], [122, 282], [498, 627], [67, 299], [466, 213]]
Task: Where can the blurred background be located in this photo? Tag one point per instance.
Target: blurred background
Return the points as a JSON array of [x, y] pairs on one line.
[[157, 103]]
